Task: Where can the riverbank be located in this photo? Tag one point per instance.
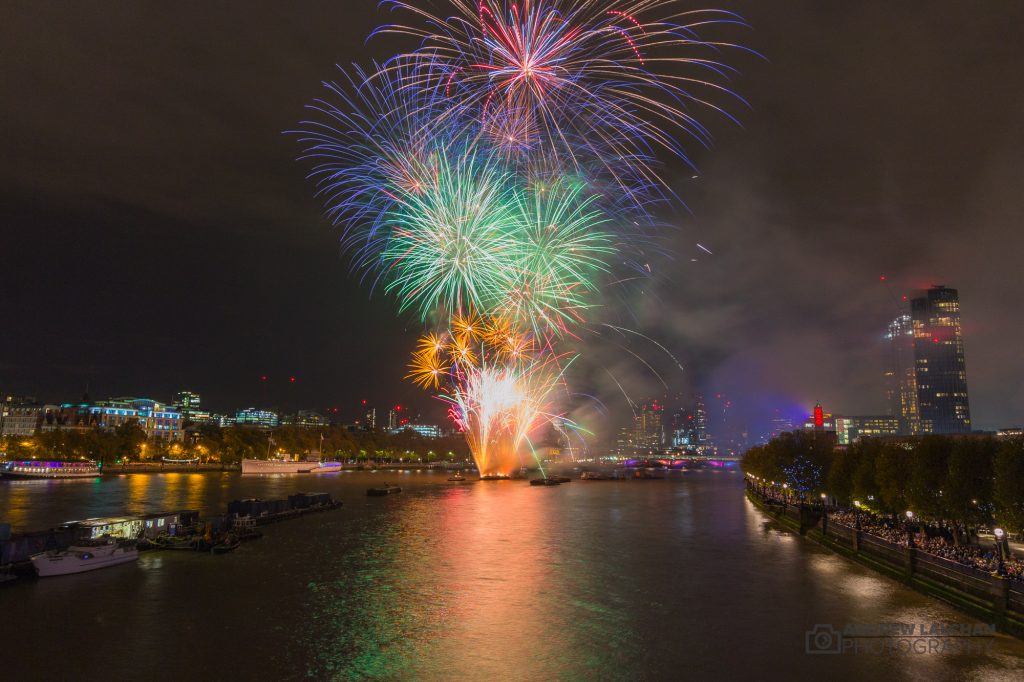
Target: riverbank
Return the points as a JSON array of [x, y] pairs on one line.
[[164, 468], [988, 597]]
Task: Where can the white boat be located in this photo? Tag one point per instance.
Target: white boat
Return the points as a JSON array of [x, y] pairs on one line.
[[82, 558], [36, 469], [282, 466]]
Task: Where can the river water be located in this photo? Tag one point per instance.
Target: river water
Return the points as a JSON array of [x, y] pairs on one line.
[[637, 580]]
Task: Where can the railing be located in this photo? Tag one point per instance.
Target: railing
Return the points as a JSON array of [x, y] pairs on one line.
[[966, 578], [840, 531], [1016, 600], [884, 549], [1003, 595]]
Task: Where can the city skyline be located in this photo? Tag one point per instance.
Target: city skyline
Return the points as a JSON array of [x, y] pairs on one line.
[[147, 293], [901, 372], [512, 339]]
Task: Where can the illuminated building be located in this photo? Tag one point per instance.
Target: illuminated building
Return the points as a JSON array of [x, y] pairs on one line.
[[425, 430], [250, 416], [939, 366], [625, 446], [819, 420], [159, 420], [19, 419], [186, 400], [188, 403], [849, 429], [648, 426], [396, 419], [700, 420], [684, 429], [305, 418], [901, 375]]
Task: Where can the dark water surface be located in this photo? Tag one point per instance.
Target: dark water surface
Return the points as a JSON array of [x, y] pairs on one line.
[[637, 580]]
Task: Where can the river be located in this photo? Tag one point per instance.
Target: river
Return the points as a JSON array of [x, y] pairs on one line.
[[596, 580]]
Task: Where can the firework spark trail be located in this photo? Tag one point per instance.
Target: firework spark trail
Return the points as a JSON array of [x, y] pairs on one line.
[[576, 71], [498, 386], [644, 336], [490, 176]]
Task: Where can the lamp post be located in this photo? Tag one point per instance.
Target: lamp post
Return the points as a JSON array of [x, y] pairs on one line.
[[1000, 536], [910, 528], [856, 514]]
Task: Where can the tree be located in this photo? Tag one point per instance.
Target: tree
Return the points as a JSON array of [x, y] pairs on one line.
[[929, 467], [864, 485], [841, 474], [892, 471], [1008, 486], [131, 439], [967, 491]]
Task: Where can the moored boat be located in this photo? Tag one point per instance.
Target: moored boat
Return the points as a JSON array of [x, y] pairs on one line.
[[385, 489], [457, 478], [82, 558], [38, 469], [228, 544], [288, 466]]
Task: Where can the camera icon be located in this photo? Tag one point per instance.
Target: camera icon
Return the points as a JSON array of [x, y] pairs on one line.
[[823, 639]]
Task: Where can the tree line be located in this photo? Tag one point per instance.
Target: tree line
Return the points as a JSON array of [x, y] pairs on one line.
[[967, 481], [230, 445]]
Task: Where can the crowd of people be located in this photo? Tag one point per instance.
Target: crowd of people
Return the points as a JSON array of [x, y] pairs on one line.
[[937, 541]]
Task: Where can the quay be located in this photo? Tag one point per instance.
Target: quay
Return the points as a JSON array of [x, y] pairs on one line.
[[182, 529], [987, 596]]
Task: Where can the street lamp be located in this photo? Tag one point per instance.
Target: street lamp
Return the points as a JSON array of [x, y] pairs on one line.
[[1000, 539], [856, 514], [910, 531]]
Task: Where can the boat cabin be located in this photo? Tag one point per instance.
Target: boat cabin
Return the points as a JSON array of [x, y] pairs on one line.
[[132, 527]]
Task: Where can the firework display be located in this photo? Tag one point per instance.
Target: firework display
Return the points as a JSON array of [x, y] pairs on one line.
[[490, 177], [582, 80], [497, 381]]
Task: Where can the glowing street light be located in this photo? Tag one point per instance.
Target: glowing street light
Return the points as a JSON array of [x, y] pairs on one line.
[[1001, 547]]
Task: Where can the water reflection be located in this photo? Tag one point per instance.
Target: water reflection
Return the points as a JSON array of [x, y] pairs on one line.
[[602, 580]]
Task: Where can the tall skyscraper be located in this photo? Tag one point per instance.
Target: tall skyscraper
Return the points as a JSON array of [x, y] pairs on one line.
[[700, 418], [648, 426], [940, 369], [901, 375]]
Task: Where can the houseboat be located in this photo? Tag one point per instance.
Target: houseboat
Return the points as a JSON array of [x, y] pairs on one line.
[[38, 469]]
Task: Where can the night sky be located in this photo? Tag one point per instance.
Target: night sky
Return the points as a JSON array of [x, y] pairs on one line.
[[158, 235]]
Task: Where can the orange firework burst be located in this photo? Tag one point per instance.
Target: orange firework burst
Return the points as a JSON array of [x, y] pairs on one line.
[[497, 382]]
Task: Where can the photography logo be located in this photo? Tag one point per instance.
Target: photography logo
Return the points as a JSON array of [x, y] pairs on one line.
[[900, 638], [823, 639]]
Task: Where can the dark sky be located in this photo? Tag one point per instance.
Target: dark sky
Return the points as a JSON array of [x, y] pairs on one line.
[[158, 235]]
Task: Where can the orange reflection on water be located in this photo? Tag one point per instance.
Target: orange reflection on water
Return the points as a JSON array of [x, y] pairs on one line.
[[138, 492], [195, 485], [495, 538]]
